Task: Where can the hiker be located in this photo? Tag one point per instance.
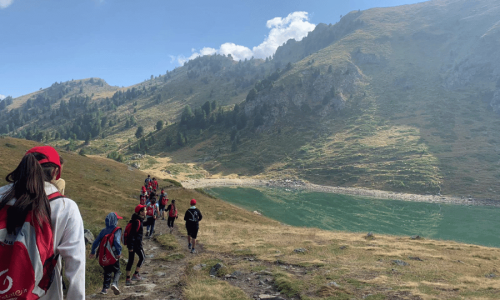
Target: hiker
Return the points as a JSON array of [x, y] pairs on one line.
[[110, 262], [151, 215], [31, 205], [172, 215], [192, 217], [162, 202], [143, 198], [147, 181], [154, 184], [133, 240]]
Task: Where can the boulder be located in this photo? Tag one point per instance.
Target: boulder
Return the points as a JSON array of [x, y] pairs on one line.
[[215, 269]]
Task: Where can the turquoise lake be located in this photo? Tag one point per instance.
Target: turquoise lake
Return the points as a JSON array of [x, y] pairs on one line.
[[469, 224]]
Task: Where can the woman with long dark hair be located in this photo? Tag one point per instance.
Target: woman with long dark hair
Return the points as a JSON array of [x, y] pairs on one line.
[[25, 210]]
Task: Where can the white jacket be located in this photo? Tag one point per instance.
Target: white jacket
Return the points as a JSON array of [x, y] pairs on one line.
[[67, 229]]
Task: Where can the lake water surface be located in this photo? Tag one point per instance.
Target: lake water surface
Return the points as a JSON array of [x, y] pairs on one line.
[[470, 224]]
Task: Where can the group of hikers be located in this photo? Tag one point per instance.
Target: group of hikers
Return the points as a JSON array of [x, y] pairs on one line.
[[40, 227], [146, 213]]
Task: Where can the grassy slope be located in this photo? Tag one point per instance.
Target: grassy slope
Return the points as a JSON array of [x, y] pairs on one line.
[[449, 270]]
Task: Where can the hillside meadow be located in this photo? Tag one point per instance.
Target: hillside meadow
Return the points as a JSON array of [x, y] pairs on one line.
[[303, 262]]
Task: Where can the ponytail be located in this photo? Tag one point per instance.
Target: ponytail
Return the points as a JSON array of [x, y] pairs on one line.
[[28, 189]]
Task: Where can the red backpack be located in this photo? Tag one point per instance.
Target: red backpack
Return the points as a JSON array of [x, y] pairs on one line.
[[28, 258], [151, 210], [106, 254], [163, 200], [172, 213], [128, 230]]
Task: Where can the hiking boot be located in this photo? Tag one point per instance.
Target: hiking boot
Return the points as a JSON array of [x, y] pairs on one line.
[[128, 282], [171, 229], [189, 246], [137, 277], [147, 234], [193, 251], [104, 291], [115, 289]]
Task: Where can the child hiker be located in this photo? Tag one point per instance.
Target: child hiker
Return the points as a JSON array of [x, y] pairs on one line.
[[31, 205], [172, 215], [114, 232], [192, 217], [133, 240]]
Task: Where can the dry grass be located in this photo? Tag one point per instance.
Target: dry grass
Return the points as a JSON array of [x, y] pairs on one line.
[[360, 266]]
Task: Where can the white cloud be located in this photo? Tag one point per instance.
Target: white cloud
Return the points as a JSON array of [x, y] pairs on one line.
[[295, 26], [5, 3], [2, 97]]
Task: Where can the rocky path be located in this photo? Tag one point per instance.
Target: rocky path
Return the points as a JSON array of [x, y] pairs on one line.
[[164, 278], [163, 275]]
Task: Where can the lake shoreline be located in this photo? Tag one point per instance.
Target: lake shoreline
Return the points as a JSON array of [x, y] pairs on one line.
[[293, 184]]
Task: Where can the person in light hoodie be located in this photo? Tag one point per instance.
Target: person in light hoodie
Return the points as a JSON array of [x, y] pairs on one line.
[[28, 182]]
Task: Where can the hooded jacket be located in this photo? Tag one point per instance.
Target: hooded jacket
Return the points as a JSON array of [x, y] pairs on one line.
[[111, 222], [136, 232]]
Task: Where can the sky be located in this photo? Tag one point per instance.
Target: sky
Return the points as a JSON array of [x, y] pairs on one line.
[[124, 42]]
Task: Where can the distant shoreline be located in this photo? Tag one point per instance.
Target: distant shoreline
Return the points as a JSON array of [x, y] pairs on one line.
[[300, 185]]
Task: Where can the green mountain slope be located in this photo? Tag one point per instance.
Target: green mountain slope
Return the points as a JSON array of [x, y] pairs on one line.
[[401, 99]]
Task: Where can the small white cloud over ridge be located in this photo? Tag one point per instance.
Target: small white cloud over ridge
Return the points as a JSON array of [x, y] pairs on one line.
[[2, 97], [5, 3], [295, 26]]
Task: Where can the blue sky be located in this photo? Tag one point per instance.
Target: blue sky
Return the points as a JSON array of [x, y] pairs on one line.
[[126, 41]]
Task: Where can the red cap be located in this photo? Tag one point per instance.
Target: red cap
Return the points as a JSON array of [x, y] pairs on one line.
[[193, 202], [138, 208], [51, 156], [143, 188], [118, 217]]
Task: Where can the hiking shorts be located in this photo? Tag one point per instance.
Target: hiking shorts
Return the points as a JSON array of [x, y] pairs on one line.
[[192, 230], [162, 207]]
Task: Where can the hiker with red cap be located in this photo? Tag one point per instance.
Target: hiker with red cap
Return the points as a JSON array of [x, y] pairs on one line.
[[192, 217], [143, 198], [32, 209], [110, 251], [133, 240]]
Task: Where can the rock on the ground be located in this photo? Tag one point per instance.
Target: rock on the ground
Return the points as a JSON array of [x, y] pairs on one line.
[[213, 271], [300, 250], [89, 237], [333, 283], [270, 297], [400, 262]]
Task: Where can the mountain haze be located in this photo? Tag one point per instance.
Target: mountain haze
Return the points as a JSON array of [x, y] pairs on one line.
[[403, 99]]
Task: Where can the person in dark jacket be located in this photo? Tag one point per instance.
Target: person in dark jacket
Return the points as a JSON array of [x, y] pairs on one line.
[[134, 243], [111, 223], [192, 217]]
